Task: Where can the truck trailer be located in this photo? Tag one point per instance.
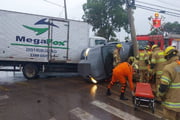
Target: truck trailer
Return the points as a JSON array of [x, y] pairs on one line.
[[34, 43]]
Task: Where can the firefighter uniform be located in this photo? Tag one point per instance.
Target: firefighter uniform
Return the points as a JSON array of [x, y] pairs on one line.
[[148, 52], [143, 66], [116, 55], [150, 72], [169, 88], [157, 63], [120, 73]]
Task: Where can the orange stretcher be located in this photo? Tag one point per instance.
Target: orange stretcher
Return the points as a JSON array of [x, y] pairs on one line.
[[144, 96]]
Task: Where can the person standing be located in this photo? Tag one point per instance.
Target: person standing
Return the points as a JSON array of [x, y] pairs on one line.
[[143, 65], [116, 55], [169, 87], [120, 73], [148, 62], [157, 63]]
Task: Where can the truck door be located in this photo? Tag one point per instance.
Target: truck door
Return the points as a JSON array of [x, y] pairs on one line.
[[58, 40]]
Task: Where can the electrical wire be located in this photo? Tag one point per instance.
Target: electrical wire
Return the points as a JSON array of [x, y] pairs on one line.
[[157, 9], [168, 3], [157, 6]]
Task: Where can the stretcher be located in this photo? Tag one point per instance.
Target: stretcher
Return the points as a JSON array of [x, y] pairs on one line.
[[143, 96]]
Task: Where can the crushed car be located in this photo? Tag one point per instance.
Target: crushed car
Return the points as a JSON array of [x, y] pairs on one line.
[[96, 63]]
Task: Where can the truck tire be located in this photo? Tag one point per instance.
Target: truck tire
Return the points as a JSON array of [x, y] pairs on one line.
[[30, 71]]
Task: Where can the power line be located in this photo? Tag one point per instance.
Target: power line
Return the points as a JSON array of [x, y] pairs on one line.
[[157, 6], [157, 9], [168, 3]]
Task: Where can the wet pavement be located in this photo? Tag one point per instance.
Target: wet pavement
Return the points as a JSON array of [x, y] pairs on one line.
[[64, 98]]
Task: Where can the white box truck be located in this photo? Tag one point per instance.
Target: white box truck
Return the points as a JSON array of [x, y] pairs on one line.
[[34, 43]]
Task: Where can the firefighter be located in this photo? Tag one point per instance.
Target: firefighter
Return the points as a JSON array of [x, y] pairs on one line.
[[120, 73], [135, 66], [148, 62], [169, 87], [149, 52], [116, 55], [157, 63], [143, 65]]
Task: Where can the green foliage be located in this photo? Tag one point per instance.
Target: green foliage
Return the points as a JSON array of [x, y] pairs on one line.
[[172, 27], [154, 32], [168, 27], [106, 16]]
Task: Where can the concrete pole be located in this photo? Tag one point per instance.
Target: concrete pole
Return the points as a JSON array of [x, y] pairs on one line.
[[132, 29], [65, 9]]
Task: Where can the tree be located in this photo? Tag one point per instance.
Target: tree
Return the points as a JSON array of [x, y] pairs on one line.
[[106, 16], [172, 27], [169, 27]]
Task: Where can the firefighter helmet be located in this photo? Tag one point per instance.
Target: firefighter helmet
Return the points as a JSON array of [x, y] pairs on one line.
[[118, 45], [154, 46], [130, 59], [170, 50]]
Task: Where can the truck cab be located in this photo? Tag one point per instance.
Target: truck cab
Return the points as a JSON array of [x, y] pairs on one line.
[[96, 41]]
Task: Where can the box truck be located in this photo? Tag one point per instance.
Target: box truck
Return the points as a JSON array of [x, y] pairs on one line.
[[34, 43]]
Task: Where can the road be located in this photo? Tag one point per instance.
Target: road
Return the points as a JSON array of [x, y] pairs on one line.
[[64, 98]]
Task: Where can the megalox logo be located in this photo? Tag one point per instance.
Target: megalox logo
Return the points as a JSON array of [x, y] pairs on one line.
[[41, 30], [37, 42]]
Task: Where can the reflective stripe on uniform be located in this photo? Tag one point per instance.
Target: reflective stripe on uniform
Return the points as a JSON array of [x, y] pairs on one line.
[[141, 58], [161, 60], [161, 53], [146, 58], [171, 105], [153, 61], [175, 85], [165, 79], [142, 67], [159, 72], [141, 54]]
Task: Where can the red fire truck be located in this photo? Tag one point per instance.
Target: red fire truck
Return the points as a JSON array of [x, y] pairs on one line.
[[150, 40]]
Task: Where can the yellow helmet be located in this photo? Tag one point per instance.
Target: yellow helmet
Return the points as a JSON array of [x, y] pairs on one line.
[[170, 50], [154, 46], [130, 59], [118, 45]]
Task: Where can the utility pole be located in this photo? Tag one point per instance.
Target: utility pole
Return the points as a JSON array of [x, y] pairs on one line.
[[131, 5], [65, 9]]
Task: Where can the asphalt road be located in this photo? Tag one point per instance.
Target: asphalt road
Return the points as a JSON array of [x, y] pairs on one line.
[[64, 98]]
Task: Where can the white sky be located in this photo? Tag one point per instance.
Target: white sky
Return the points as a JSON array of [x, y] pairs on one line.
[[74, 10]]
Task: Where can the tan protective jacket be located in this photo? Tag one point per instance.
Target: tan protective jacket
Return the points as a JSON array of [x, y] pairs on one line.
[[159, 61], [116, 57], [171, 77], [143, 55]]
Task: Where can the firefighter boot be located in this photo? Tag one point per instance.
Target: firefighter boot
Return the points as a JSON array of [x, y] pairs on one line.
[[108, 93], [122, 97]]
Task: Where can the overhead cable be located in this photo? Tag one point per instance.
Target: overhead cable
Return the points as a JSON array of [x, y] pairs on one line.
[[150, 4], [158, 10]]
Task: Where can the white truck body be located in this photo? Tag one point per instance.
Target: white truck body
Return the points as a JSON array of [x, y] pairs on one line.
[[27, 37], [41, 43]]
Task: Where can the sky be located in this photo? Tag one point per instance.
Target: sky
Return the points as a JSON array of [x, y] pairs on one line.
[[74, 11]]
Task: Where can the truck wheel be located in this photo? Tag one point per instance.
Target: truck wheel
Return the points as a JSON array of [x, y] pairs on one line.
[[30, 71]]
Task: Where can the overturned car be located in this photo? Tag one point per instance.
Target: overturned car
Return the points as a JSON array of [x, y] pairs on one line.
[[96, 63]]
